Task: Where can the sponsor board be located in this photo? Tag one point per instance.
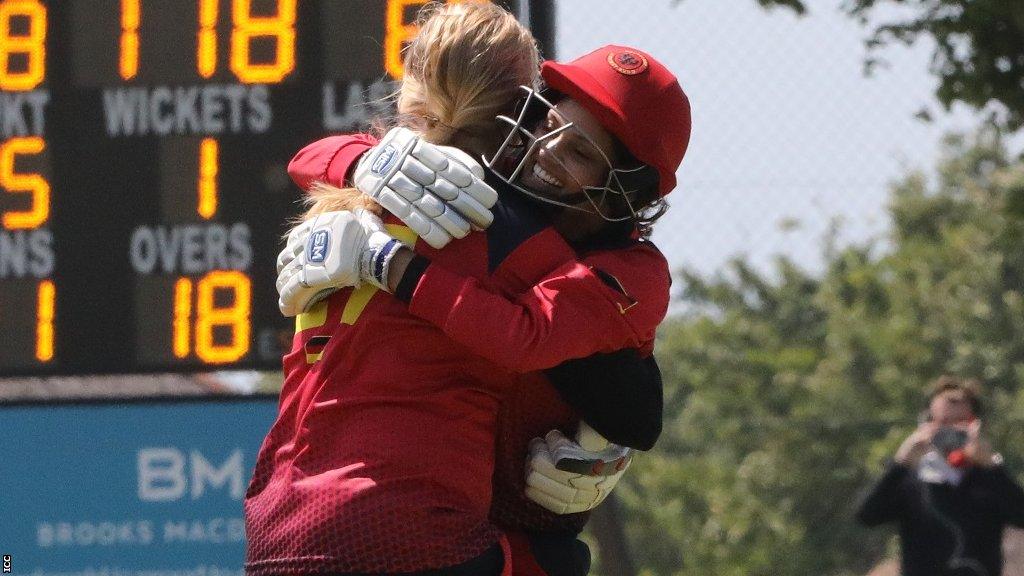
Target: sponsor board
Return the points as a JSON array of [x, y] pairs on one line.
[[120, 489]]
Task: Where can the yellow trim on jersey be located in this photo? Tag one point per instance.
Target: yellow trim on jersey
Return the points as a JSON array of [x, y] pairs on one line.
[[313, 358], [360, 298], [357, 302], [315, 317], [403, 234]]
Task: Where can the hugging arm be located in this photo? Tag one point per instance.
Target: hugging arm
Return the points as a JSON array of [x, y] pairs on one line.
[[619, 394], [602, 303]]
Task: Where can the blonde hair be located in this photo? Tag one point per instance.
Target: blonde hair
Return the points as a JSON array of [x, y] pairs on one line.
[[463, 68]]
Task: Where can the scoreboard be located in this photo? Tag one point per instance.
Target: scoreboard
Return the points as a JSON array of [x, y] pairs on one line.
[[143, 147]]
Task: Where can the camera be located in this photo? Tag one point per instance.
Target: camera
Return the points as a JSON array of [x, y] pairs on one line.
[[948, 439]]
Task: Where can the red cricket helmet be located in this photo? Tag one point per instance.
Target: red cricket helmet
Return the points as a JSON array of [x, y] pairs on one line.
[[636, 98]]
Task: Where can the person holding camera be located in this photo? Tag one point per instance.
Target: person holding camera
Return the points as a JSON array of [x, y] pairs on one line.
[[947, 490]]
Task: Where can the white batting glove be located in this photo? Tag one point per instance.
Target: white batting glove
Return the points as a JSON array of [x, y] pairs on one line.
[[590, 477], [438, 191], [333, 250]]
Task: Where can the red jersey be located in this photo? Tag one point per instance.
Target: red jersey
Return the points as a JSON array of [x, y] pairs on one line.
[[382, 455]]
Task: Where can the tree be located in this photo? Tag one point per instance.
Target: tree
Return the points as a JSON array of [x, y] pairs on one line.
[[979, 47], [785, 393]]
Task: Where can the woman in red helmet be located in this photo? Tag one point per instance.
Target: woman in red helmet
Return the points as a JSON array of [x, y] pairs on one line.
[[602, 149], [597, 160]]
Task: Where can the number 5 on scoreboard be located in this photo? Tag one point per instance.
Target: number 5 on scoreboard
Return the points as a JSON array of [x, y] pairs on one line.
[[232, 318], [15, 183]]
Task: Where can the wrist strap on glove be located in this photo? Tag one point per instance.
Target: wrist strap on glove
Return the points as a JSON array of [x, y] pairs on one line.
[[375, 262]]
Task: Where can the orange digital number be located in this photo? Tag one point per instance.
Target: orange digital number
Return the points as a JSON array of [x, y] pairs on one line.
[[209, 150], [131, 14], [235, 316], [45, 312], [206, 52], [280, 27], [181, 342], [32, 45], [209, 316], [397, 32], [33, 184]]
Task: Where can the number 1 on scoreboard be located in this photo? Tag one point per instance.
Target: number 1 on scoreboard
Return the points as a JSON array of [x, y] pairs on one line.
[[130, 16], [209, 150], [45, 312]]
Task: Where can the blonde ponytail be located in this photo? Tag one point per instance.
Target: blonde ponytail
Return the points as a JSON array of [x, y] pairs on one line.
[[463, 68]]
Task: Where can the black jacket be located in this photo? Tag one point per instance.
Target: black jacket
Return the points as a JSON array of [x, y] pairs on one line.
[[938, 520]]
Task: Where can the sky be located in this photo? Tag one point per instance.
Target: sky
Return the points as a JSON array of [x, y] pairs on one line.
[[788, 133]]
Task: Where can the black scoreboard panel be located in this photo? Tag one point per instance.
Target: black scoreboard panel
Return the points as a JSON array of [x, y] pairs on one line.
[[143, 146]]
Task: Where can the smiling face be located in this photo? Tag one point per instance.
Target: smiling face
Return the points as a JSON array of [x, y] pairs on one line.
[[560, 154], [575, 152]]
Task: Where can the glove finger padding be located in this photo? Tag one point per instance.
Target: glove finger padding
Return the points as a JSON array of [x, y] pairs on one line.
[[542, 466], [431, 232], [600, 458], [443, 215], [569, 491], [439, 200], [480, 217], [413, 179], [294, 244], [474, 168], [285, 276], [555, 496], [468, 175], [545, 491], [295, 297], [332, 244]]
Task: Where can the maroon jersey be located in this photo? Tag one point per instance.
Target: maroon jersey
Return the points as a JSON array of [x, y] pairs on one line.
[[382, 455]]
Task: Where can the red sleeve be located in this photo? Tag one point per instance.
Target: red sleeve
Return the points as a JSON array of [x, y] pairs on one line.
[[606, 302], [329, 160]]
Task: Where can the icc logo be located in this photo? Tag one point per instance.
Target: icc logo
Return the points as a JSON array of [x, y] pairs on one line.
[[319, 242], [383, 162]]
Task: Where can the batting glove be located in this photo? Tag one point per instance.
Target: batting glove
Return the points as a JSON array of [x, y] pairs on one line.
[[331, 251], [438, 191], [566, 478]]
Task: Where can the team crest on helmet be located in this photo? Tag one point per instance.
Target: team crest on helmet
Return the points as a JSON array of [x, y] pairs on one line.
[[628, 63]]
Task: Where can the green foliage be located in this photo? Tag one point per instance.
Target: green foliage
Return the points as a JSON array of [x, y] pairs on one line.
[[786, 393], [979, 48]]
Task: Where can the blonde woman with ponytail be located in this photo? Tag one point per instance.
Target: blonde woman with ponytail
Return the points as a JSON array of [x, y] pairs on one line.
[[370, 467], [389, 432]]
